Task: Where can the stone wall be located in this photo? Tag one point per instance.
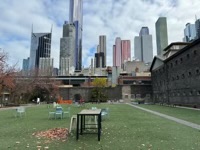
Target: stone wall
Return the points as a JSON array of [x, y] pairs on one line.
[[178, 80], [113, 93]]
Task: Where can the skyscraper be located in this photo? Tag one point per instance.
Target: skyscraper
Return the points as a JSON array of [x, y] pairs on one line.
[[67, 49], [189, 32], [197, 26], [40, 47], [126, 50], [76, 18], [143, 47], [144, 31], [46, 67], [118, 52], [161, 34], [102, 46], [114, 55]]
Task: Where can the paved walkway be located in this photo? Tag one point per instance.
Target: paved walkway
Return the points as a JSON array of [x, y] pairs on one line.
[[14, 107], [190, 124]]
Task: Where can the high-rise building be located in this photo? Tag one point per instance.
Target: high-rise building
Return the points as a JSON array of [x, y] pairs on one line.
[[126, 51], [40, 47], [189, 32], [114, 55], [118, 52], [161, 34], [102, 46], [46, 67], [99, 57], [144, 31], [197, 26], [76, 18], [143, 47], [67, 48], [25, 67]]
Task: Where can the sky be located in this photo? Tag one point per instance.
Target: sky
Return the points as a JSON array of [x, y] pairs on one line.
[[113, 18]]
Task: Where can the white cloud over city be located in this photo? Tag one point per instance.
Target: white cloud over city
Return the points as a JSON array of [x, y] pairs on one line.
[[113, 18]]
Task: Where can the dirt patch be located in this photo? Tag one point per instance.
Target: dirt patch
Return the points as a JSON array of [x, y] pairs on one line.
[[53, 134]]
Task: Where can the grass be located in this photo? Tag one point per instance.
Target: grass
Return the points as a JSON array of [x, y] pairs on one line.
[[127, 128], [181, 113]]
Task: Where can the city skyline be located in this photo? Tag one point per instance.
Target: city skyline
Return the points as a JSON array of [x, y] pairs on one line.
[[112, 20]]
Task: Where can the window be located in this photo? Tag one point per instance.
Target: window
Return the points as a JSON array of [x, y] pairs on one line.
[[181, 60], [188, 56], [191, 92], [189, 74], [198, 92], [195, 52], [171, 65], [177, 77], [184, 94], [197, 71], [183, 76], [176, 62]]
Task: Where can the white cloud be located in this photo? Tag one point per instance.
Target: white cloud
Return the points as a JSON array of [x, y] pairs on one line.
[[113, 18]]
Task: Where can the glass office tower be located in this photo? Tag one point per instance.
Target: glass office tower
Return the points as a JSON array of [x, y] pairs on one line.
[[76, 17], [40, 47]]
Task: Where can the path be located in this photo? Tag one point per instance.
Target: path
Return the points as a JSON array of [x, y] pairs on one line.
[[190, 124]]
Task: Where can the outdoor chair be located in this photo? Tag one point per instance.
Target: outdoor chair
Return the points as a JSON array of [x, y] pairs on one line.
[[59, 112], [73, 123], [51, 114], [20, 111], [67, 112], [105, 113]]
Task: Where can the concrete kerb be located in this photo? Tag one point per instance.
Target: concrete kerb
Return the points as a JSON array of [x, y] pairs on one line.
[[190, 124]]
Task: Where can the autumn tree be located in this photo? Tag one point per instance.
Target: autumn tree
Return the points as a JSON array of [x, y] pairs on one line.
[[6, 76], [30, 87], [98, 93]]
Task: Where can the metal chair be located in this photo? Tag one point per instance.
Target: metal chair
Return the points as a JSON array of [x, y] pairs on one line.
[[105, 113], [59, 112], [20, 111], [67, 112]]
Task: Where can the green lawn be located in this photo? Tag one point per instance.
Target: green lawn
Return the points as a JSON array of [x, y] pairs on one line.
[[181, 113], [127, 128]]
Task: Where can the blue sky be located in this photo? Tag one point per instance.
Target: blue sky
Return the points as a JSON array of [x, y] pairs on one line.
[[113, 18]]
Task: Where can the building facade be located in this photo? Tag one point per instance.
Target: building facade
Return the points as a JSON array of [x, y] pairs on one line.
[[143, 46], [161, 34], [176, 79], [46, 67], [144, 31], [118, 52], [102, 47], [76, 18], [67, 48], [99, 57], [114, 55], [197, 27], [126, 51], [40, 47]]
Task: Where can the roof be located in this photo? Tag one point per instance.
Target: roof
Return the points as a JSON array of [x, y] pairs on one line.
[[154, 60], [183, 49], [176, 43]]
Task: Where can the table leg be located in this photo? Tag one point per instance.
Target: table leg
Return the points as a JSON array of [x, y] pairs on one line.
[[81, 124], [99, 127], [77, 127], [84, 122]]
